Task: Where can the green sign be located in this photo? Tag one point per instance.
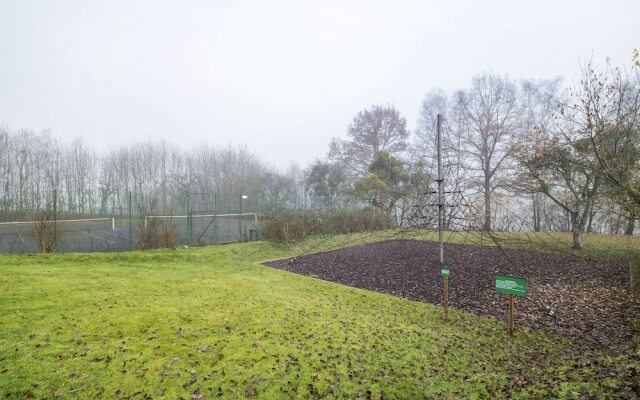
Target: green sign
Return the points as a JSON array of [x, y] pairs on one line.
[[511, 285], [444, 272]]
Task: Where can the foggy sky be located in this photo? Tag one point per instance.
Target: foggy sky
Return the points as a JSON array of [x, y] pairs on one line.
[[282, 77]]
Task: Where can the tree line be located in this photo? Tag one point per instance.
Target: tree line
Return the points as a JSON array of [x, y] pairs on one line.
[[92, 184], [526, 155]]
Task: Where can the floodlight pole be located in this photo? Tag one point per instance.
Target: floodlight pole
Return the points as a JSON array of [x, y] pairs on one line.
[[440, 184], [242, 235]]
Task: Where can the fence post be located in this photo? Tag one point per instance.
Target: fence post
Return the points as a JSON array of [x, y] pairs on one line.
[[55, 218], [130, 230], [240, 220], [215, 221], [189, 223]]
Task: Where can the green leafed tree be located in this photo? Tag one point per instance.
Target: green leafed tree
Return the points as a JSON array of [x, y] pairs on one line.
[[384, 182], [325, 182]]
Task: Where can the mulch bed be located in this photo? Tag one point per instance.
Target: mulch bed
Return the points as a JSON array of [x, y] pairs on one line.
[[573, 296]]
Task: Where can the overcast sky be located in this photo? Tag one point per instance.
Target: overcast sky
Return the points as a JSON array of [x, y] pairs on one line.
[[282, 77]]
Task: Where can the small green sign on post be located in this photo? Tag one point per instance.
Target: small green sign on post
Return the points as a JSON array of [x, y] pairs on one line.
[[444, 272], [511, 285]]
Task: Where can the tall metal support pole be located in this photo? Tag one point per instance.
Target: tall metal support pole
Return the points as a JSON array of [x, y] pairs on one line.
[[130, 230], [440, 185], [55, 219]]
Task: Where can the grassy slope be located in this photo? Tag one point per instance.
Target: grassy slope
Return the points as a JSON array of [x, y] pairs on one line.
[[209, 322]]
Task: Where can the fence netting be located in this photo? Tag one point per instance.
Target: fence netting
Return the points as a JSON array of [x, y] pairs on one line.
[[202, 219]]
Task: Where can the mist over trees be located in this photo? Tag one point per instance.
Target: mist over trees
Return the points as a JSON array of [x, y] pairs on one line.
[[88, 184], [534, 155]]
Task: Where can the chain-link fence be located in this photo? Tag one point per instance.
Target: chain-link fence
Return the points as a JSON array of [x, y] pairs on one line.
[[202, 219]]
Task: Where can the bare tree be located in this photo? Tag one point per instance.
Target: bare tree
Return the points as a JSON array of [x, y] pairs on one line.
[[435, 102], [539, 99], [604, 116], [372, 131], [45, 231], [456, 176], [490, 118], [549, 165]]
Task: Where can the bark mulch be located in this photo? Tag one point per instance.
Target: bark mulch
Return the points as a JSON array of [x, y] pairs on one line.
[[570, 295]]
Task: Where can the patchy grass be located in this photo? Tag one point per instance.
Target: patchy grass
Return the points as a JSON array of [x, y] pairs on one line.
[[210, 322]]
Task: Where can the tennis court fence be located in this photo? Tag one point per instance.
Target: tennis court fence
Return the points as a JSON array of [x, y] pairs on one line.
[[106, 234]]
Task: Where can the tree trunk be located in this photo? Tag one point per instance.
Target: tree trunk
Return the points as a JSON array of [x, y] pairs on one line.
[[576, 232], [589, 227], [631, 224], [487, 204], [536, 212]]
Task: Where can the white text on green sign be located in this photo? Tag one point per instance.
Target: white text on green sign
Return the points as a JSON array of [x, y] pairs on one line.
[[444, 272], [511, 285]]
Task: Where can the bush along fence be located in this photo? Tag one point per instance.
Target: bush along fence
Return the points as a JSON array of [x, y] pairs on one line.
[[283, 226]]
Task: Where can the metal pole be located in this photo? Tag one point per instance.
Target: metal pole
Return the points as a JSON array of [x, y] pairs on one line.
[[189, 226], [130, 230], [440, 197], [216, 225], [240, 221], [55, 218]]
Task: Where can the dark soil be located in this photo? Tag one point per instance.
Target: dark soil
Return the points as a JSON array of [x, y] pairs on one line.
[[570, 295]]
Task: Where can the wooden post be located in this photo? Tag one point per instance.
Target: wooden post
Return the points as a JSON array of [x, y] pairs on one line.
[[446, 298], [510, 315]]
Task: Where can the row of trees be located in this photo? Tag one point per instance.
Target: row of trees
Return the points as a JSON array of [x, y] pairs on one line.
[[33, 165], [525, 155], [577, 148]]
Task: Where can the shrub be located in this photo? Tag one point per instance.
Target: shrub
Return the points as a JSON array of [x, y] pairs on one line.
[[169, 234], [45, 232], [154, 231], [290, 226]]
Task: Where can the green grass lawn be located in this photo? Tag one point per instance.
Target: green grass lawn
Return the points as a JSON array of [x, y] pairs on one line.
[[211, 322]]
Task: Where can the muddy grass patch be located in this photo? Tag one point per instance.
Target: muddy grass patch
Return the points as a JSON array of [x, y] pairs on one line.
[[574, 296]]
